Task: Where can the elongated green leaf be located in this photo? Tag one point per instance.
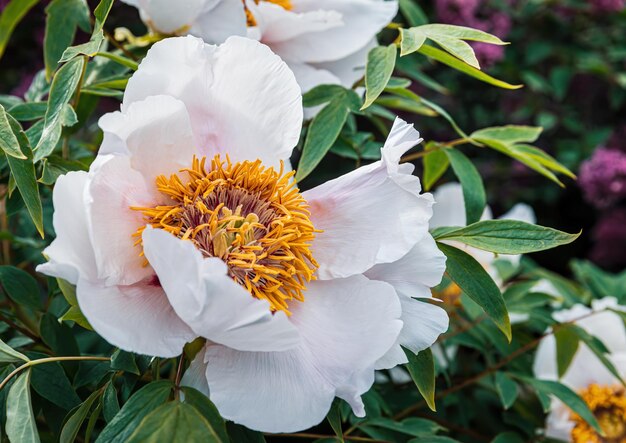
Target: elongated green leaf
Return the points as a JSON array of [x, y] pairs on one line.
[[567, 396], [21, 427], [8, 141], [413, 13], [544, 159], [174, 422], [119, 59], [473, 189], [110, 403], [23, 172], [435, 165], [49, 381], [567, 342], [509, 236], [458, 48], [472, 278], [146, 400], [28, 111], [10, 355], [457, 64], [334, 418], [20, 286], [208, 410], [63, 86], [323, 132], [78, 416], [421, 366], [64, 17], [509, 134], [380, 63], [416, 427], [507, 389], [10, 17]]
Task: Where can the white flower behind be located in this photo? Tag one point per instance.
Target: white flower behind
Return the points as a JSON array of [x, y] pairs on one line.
[[322, 41], [587, 375], [188, 225]]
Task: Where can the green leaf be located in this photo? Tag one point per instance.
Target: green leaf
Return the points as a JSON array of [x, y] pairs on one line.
[[474, 281], [380, 63], [507, 389], [20, 286], [323, 131], [508, 437], [23, 172], [28, 111], [10, 355], [49, 381], [241, 434], [62, 89], [449, 37], [146, 400], [64, 17], [76, 315], [567, 396], [473, 189], [413, 13], [20, 424], [8, 141], [435, 165], [110, 404], [334, 418], [10, 17], [509, 134], [174, 422], [421, 366], [208, 410], [457, 64], [119, 60], [124, 361], [567, 342], [416, 427], [75, 421], [509, 236]]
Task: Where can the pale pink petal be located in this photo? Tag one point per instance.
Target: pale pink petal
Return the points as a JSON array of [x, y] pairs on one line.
[[221, 20]]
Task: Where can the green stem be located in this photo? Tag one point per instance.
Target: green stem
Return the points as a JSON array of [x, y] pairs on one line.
[[48, 360]]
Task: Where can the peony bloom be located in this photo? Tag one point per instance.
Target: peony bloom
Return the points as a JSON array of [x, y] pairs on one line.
[[189, 224], [602, 392], [603, 177], [322, 41]]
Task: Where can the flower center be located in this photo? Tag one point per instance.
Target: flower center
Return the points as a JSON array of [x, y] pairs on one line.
[[251, 217], [608, 404], [285, 4]]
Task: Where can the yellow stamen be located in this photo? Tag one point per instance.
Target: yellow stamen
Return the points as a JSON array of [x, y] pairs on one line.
[[252, 217], [608, 404]]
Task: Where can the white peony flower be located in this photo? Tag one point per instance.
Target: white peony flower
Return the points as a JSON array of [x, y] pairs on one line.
[[587, 375], [189, 224], [322, 41]]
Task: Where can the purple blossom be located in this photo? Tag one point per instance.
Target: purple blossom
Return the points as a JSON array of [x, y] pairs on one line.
[[608, 6], [609, 237], [603, 177]]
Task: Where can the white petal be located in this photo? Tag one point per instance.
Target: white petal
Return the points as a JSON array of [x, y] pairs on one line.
[[135, 318], [414, 274], [223, 20], [349, 69], [156, 133], [253, 111], [279, 25], [449, 207], [115, 187], [309, 77], [372, 215], [195, 374], [423, 324], [167, 16], [345, 324], [210, 301], [362, 19], [70, 255], [521, 212]]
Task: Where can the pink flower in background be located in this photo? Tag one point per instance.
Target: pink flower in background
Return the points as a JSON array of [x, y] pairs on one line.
[[608, 6], [603, 177], [609, 236]]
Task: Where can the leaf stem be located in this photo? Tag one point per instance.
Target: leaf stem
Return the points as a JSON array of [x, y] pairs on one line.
[[48, 360]]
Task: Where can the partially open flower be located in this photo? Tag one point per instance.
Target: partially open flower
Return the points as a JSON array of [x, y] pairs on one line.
[[322, 41], [189, 224], [587, 375]]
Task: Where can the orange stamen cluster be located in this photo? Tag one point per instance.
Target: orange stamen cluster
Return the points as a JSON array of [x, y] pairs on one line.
[[608, 404], [252, 217]]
